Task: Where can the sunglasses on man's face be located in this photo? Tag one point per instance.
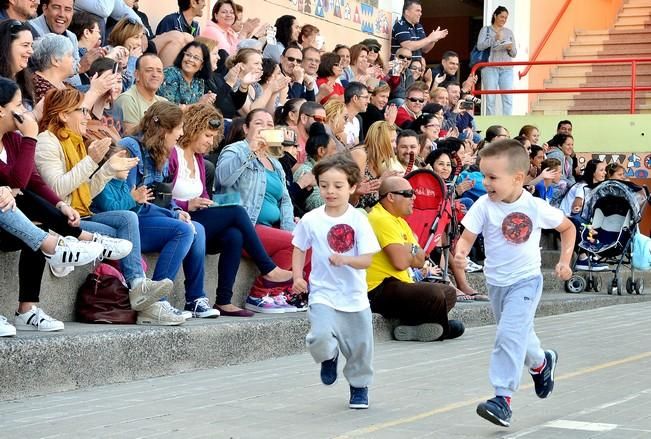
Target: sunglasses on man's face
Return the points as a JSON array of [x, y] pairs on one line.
[[403, 57], [407, 193], [416, 100], [296, 60]]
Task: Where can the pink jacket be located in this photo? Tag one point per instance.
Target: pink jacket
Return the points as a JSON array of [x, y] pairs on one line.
[[226, 39]]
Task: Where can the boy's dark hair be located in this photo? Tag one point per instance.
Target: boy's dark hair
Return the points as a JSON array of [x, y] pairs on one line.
[[535, 149], [563, 122], [550, 163], [81, 21], [512, 150], [341, 161]]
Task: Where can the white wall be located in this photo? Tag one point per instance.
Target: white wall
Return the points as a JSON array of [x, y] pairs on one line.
[[519, 22]]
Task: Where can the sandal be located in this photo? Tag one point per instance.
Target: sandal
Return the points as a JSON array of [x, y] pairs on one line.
[[479, 297]]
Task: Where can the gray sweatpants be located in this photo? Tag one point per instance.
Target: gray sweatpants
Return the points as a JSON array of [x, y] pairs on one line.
[[350, 332], [516, 342]]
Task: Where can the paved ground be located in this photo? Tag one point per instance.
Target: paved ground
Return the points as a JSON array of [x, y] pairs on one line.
[[430, 390]]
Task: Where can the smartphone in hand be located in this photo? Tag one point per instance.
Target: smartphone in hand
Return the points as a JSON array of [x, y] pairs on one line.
[[19, 117]]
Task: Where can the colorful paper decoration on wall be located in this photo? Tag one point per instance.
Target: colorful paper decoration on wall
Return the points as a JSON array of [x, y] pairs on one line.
[[361, 15]]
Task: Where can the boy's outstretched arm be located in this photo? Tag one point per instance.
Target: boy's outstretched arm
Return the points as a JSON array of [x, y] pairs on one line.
[[298, 262], [463, 247], [360, 262], [568, 236]]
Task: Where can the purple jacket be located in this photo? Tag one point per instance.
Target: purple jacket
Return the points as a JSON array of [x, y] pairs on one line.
[[173, 166]]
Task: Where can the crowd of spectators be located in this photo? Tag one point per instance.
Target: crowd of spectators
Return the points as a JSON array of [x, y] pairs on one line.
[[143, 133]]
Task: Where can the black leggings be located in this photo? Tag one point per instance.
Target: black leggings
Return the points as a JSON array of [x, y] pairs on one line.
[[228, 231], [31, 264], [413, 303]]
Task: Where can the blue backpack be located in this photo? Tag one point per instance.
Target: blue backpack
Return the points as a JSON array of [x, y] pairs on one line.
[[641, 253], [477, 56]]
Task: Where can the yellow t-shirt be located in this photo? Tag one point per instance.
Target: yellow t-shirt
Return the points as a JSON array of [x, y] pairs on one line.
[[388, 229]]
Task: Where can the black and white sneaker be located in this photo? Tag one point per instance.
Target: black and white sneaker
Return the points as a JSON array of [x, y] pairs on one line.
[[114, 248], [496, 410], [70, 252]]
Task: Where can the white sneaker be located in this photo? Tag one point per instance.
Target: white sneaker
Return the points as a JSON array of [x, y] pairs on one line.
[[159, 314], [6, 328], [114, 248], [187, 315], [36, 320], [472, 267], [61, 271], [71, 252], [149, 291]]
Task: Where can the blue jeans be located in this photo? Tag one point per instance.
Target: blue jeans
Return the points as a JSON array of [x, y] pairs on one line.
[[177, 243], [17, 224], [498, 78], [121, 224]]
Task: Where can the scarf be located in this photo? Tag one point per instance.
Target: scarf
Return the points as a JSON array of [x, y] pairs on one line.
[[74, 151]]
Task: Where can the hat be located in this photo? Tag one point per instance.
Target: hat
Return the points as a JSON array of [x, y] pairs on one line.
[[371, 42]]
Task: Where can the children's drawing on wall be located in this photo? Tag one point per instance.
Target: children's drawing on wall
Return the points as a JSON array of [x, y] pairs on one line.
[[637, 165]]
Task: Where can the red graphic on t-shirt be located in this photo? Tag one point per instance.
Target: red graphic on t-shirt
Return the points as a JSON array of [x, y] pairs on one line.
[[517, 227], [341, 238]]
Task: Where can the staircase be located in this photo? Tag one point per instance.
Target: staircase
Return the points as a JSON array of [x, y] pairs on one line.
[[630, 37]]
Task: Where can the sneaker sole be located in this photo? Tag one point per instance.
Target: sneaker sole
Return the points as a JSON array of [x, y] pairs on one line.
[[263, 310], [358, 406], [154, 322], [20, 327], [154, 296], [8, 333], [555, 363], [490, 416], [205, 315], [423, 332]]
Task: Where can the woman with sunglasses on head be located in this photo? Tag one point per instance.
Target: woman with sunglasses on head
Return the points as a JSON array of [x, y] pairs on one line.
[[246, 167], [15, 51], [228, 228], [185, 81]]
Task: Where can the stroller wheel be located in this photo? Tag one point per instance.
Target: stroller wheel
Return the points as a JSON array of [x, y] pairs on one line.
[[616, 286], [596, 284], [576, 284], [629, 285], [638, 286]]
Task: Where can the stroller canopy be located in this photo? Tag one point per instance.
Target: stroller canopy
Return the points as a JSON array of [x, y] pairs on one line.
[[625, 195]]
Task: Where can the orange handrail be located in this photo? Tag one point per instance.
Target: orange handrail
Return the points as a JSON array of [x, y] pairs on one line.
[[633, 88], [551, 29]]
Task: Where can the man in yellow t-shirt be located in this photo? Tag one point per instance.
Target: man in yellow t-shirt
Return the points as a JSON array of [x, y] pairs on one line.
[[421, 307]]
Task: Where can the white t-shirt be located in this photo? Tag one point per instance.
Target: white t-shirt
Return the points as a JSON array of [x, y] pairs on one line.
[[352, 130], [576, 191], [511, 235], [186, 187], [342, 288]]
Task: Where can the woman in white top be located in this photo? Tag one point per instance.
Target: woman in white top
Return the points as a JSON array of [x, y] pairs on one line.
[[228, 227]]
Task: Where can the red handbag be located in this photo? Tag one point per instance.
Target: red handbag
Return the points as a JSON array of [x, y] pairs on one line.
[[104, 298]]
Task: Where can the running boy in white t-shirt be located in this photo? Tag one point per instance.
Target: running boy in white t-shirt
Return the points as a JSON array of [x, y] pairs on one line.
[[342, 243], [511, 219]]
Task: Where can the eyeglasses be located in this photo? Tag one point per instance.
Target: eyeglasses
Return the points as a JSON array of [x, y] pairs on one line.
[[407, 193], [374, 49], [432, 125], [416, 69], [363, 96], [416, 100], [193, 57], [84, 111], [214, 123], [296, 60], [403, 57]]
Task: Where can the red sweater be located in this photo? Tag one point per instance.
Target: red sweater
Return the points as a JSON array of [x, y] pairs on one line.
[[338, 89], [20, 170], [403, 117]]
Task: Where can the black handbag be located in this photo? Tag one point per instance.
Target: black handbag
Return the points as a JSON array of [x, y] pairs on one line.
[[162, 191]]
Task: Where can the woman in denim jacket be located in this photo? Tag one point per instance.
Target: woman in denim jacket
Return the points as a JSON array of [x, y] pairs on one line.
[[246, 167]]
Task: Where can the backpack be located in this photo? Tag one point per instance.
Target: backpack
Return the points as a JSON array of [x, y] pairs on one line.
[[641, 253], [104, 298], [477, 56]]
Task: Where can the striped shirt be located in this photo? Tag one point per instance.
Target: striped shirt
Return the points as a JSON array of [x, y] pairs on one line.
[[405, 31]]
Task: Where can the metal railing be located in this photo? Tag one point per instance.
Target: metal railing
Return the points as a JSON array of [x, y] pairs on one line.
[[543, 42], [633, 88]]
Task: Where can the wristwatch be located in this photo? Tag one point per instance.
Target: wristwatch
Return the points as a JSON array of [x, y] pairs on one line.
[[414, 249]]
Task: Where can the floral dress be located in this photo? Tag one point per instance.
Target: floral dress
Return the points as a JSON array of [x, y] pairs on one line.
[[177, 90]]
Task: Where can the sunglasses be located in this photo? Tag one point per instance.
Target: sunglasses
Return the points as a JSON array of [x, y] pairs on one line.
[[403, 57], [407, 193], [296, 60], [318, 118], [214, 123], [16, 26], [420, 101], [374, 49]]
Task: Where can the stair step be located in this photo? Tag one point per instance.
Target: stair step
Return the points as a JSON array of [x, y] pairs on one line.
[[639, 20], [604, 52], [622, 69], [596, 81], [90, 355], [635, 11], [625, 26], [607, 43]]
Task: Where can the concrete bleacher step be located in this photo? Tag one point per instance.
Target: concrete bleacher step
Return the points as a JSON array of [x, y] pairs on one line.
[[90, 355]]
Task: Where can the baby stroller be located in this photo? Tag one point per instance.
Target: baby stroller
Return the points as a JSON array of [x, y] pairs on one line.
[[435, 214], [613, 210]]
